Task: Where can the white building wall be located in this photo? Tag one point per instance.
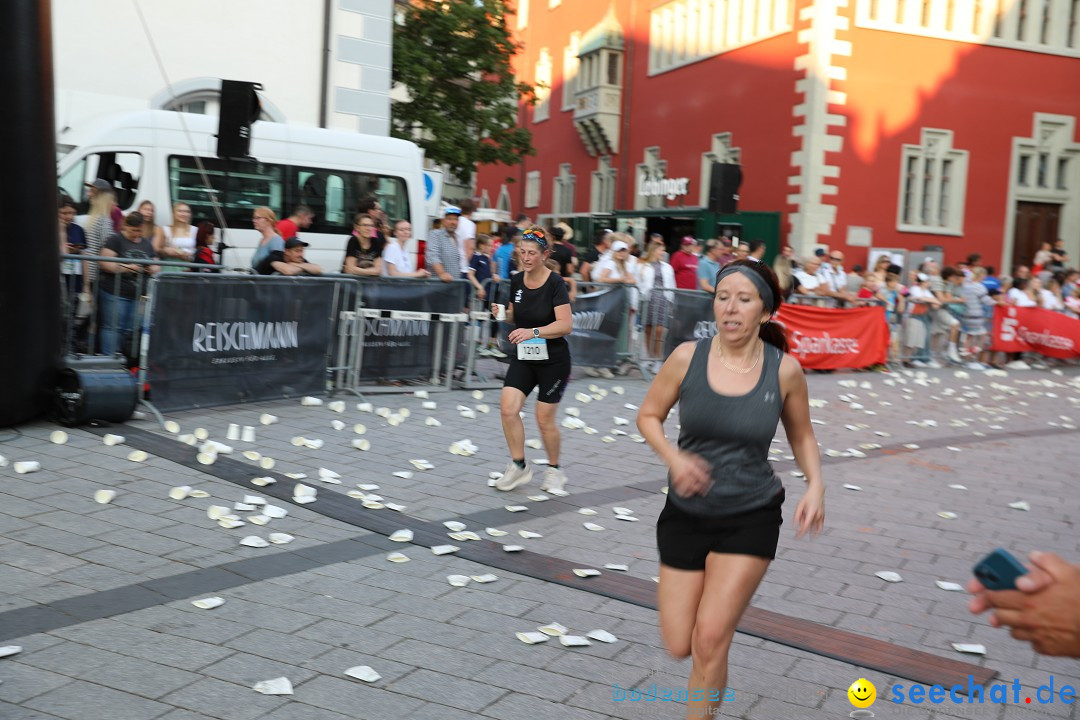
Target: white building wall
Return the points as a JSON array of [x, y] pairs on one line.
[[104, 63]]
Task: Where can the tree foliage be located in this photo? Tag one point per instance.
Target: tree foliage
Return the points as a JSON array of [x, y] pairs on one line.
[[453, 57]]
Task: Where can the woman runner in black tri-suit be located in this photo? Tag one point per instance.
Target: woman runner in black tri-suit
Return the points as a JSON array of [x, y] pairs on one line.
[[539, 309]]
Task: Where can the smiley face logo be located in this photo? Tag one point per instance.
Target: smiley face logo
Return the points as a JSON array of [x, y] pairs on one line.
[[862, 693]]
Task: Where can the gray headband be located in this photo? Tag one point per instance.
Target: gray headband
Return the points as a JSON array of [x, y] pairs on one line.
[[762, 287]]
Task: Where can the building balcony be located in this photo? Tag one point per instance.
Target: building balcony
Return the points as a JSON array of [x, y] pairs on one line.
[[597, 116]]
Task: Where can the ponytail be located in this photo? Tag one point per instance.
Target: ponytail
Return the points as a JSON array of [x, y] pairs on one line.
[[772, 333]]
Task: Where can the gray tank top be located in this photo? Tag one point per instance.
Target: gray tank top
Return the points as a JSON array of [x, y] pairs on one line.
[[732, 434]]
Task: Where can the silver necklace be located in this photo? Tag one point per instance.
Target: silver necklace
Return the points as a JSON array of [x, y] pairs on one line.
[[732, 368]]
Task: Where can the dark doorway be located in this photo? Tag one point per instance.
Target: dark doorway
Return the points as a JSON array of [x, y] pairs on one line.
[[1036, 223]]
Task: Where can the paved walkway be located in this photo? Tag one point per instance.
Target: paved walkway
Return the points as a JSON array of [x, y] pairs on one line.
[[99, 596]]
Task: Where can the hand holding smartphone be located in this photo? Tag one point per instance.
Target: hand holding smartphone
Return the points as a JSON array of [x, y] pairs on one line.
[[999, 570]]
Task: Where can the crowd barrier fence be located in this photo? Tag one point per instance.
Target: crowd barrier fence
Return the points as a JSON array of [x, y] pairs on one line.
[[361, 334]]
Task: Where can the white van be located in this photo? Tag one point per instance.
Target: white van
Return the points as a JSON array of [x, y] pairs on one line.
[[148, 156]]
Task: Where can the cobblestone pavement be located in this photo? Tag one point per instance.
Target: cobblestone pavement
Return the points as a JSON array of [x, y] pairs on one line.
[[96, 644]]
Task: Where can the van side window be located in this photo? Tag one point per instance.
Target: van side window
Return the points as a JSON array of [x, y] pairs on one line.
[[334, 196], [238, 186], [121, 169]]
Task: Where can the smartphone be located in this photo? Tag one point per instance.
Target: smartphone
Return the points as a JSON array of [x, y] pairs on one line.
[[999, 570]]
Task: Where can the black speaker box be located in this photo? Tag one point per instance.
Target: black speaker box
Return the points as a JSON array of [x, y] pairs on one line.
[[240, 108], [724, 182], [94, 388]]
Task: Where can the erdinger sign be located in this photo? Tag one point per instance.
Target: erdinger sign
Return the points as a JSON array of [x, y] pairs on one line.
[[828, 339], [1036, 330]]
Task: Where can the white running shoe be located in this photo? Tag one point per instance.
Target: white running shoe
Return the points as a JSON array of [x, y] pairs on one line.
[[592, 372], [953, 355], [496, 352], [605, 373], [483, 351], [513, 476], [554, 479], [918, 364], [976, 366], [933, 364], [1018, 365]]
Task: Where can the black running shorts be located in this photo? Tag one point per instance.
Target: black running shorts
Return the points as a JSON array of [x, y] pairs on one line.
[[685, 539], [550, 377]]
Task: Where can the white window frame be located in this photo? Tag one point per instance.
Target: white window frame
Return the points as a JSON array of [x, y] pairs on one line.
[[532, 189], [926, 190], [682, 32], [653, 168], [542, 108], [722, 152], [602, 195], [563, 187], [1040, 26], [503, 203], [522, 14], [571, 71]]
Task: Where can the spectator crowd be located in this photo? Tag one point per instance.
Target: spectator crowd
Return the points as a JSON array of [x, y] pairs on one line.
[[936, 315]]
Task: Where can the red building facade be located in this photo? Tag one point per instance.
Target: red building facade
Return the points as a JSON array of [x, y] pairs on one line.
[[900, 124]]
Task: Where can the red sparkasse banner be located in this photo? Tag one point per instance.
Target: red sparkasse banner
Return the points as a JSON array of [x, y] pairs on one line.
[[829, 339], [1028, 329]]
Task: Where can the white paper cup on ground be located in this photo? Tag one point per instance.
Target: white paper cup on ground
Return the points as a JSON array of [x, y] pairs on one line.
[[310, 401], [137, 456], [58, 437], [267, 463], [181, 492], [111, 439], [277, 686], [104, 497], [233, 433], [27, 466], [248, 434], [208, 603], [363, 672], [171, 426], [268, 419], [201, 433]]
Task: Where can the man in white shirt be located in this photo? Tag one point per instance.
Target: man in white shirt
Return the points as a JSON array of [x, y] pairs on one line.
[[466, 234], [834, 279], [807, 280]]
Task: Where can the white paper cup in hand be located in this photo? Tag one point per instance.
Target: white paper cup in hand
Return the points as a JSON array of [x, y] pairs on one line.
[[500, 312]]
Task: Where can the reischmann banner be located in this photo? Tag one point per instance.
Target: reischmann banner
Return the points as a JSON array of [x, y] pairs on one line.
[[223, 340]]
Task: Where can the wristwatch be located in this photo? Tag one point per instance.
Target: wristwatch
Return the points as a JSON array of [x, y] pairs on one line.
[[536, 332]]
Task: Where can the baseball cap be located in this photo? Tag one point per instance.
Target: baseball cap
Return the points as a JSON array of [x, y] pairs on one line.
[[451, 210], [688, 241], [100, 184], [619, 245], [294, 242]]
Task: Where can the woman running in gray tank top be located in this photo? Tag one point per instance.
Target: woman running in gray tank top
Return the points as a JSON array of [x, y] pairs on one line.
[[719, 529]]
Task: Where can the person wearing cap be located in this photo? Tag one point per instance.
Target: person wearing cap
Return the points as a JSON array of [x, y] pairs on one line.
[[120, 292], [289, 261], [685, 264], [709, 266], [465, 234], [102, 186], [619, 266], [443, 256]]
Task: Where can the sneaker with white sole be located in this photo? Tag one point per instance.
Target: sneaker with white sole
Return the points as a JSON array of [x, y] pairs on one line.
[[592, 372], [554, 479], [513, 476], [976, 366], [496, 352], [1018, 365], [933, 364], [483, 351], [605, 373], [954, 356]]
